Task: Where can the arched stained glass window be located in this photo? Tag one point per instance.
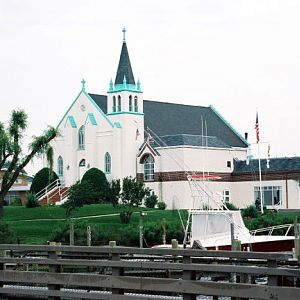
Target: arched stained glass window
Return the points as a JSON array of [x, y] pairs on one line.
[[60, 166], [114, 108], [107, 161], [81, 138], [119, 103], [148, 168], [136, 107], [130, 103]]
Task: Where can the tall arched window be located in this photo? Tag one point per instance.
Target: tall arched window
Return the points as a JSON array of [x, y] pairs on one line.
[[119, 103], [81, 138], [107, 161], [136, 108], [130, 103], [148, 168], [60, 166], [114, 108]]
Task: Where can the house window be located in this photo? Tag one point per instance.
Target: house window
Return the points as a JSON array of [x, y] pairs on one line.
[[130, 103], [81, 138], [226, 196], [107, 160], [119, 103], [60, 166], [148, 168], [136, 108], [114, 108], [272, 195], [10, 197], [228, 164]]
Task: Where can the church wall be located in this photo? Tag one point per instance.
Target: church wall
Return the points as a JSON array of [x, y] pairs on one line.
[[198, 159]]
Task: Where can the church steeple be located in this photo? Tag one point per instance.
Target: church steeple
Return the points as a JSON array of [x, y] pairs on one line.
[[124, 68]]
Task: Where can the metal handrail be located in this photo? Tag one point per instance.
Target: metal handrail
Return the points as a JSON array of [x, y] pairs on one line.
[[271, 229], [42, 193]]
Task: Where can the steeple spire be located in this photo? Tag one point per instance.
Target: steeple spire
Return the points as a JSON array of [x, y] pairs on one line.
[[124, 68]]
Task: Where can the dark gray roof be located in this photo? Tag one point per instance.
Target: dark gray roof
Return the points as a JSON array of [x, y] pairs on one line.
[[276, 164], [192, 140], [124, 68], [172, 119]]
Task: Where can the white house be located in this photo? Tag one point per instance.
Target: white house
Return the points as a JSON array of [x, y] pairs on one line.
[[163, 144]]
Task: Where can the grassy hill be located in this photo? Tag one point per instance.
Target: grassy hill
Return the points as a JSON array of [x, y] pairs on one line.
[[36, 225]]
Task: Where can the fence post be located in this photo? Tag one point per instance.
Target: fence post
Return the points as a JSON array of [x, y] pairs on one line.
[[188, 275], [53, 269], [116, 271], [272, 279], [2, 268]]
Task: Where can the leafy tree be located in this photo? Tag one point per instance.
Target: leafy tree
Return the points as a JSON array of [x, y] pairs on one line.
[[98, 182], [11, 152], [41, 179], [132, 195], [114, 192]]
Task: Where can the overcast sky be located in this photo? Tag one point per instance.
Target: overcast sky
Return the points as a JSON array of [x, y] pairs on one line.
[[236, 55]]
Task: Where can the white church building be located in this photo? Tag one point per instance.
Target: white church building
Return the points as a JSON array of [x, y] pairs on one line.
[[184, 153]]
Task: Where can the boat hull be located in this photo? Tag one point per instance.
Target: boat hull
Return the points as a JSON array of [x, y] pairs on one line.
[[264, 246]]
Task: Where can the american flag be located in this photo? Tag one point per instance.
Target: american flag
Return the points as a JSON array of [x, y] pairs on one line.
[[257, 128]]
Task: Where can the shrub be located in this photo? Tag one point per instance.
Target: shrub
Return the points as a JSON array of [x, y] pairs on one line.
[[32, 200], [41, 179], [80, 193], [98, 183], [16, 202], [114, 192], [7, 236], [151, 200], [161, 205], [250, 212], [125, 216], [231, 206]]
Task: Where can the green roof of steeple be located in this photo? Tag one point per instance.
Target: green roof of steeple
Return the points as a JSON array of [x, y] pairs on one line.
[[124, 68]]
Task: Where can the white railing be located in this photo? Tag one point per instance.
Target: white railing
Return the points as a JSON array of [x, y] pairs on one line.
[[271, 229], [51, 190]]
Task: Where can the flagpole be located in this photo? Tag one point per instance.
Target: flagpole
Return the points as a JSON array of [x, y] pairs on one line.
[[259, 165], [260, 187]]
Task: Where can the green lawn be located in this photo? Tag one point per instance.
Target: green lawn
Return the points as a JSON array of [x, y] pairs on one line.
[[35, 225], [17, 213]]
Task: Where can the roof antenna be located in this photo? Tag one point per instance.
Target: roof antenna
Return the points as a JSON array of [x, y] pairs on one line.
[[124, 33]]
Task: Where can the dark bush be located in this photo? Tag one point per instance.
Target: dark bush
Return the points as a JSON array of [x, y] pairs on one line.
[[151, 200], [98, 182], [161, 205], [250, 212], [32, 200], [41, 179], [231, 206], [7, 236], [16, 202]]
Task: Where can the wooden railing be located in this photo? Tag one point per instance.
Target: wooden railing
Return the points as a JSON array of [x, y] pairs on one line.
[[77, 272]]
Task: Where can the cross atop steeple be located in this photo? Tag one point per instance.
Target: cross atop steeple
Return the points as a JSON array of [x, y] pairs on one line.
[[124, 33]]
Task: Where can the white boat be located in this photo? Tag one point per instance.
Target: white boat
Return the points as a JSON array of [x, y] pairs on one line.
[[212, 229]]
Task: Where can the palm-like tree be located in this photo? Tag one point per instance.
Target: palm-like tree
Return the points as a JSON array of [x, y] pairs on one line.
[[11, 153]]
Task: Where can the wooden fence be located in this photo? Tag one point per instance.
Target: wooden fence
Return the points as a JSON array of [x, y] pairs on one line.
[[75, 272]]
